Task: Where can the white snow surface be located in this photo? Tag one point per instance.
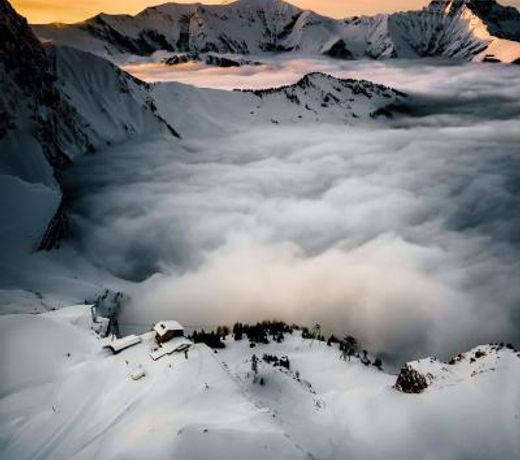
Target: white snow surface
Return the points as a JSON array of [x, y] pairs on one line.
[[165, 326], [117, 345], [111, 106], [64, 398], [465, 366]]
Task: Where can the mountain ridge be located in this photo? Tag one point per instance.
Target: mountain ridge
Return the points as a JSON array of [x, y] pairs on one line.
[[58, 103], [460, 29]]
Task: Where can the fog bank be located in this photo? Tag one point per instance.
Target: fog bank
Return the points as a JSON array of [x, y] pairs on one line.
[[406, 236]]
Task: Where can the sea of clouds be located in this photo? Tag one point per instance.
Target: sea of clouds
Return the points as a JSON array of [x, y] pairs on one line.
[[431, 75], [405, 235]]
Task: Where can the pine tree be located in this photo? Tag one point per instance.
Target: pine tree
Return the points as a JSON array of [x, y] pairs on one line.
[[349, 346], [254, 364], [238, 331]]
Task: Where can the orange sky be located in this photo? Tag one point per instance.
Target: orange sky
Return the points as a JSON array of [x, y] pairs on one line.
[[42, 11]]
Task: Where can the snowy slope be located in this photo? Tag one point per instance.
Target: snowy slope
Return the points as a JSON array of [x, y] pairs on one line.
[[314, 98], [34, 140], [111, 105], [458, 29], [211, 405], [464, 367], [168, 413], [320, 97], [55, 105], [462, 29]]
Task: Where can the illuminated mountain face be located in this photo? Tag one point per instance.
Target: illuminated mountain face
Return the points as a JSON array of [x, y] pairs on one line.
[[463, 30]]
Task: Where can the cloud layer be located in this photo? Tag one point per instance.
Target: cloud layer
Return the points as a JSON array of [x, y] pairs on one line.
[[429, 75], [406, 236]]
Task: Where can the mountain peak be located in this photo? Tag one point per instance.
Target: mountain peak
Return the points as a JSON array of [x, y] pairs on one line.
[[261, 3], [461, 29], [501, 21], [321, 97], [275, 6]]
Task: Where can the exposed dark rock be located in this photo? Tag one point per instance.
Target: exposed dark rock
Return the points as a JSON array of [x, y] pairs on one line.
[[208, 59], [275, 48], [183, 43], [108, 305], [156, 40], [382, 112], [180, 59], [480, 354], [22, 55], [410, 381], [169, 127], [502, 21], [456, 359], [57, 230], [220, 61], [288, 28], [339, 50], [231, 46]]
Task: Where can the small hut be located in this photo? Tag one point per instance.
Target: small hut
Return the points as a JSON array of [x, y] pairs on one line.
[[167, 330]]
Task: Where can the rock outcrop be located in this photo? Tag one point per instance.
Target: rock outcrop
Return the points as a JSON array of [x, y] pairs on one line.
[[417, 376], [410, 380]]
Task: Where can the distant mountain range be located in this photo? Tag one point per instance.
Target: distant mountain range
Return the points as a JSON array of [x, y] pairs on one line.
[[480, 30]]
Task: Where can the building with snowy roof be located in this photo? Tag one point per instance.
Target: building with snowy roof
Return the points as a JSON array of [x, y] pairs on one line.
[[167, 330], [118, 345]]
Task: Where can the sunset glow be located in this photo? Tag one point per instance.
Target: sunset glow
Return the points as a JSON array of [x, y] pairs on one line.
[[44, 11]]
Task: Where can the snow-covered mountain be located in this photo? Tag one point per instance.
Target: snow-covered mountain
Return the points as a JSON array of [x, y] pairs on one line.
[[430, 373], [55, 105], [63, 396], [59, 103], [38, 134], [320, 97], [463, 29], [221, 406], [317, 97], [111, 106]]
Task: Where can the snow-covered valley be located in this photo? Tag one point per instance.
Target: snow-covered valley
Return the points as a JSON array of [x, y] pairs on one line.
[[377, 198]]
